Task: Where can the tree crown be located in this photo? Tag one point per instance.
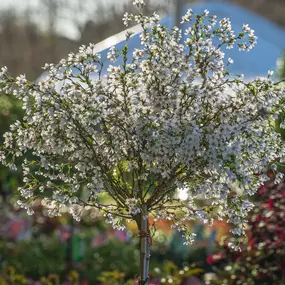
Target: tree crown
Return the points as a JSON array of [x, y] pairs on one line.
[[170, 117]]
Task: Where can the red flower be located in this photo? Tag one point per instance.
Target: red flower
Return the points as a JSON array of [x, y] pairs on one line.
[[211, 259], [270, 204], [262, 189], [251, 242], [258, 218]]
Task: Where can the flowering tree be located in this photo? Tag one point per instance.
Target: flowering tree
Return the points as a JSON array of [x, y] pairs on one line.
[[170, 117]]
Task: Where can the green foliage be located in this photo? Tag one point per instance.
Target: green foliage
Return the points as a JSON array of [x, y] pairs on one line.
[[35, 257], [112, 277], [171, 274], [10, 111], [114, 262], [9, 276], [122, 257], [53, 279], [46, 255]]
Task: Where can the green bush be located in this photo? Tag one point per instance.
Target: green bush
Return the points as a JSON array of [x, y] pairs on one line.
[[35, 257], [122, 257]]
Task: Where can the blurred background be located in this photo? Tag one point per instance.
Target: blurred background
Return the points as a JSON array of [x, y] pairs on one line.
[[40, 250]]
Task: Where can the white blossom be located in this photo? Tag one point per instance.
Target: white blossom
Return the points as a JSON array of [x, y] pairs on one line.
[[112, 54], [230, 61], [170, 117], [139, 3], [234, 246], [133, 206], [187, 16]]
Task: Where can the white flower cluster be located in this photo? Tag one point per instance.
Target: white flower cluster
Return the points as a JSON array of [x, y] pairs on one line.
[[133, 206], [139, 3], [187, 16], [234, 246], [171, 115], [112, 54]]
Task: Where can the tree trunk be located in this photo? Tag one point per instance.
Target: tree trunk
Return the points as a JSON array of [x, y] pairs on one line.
[[143, 226]]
